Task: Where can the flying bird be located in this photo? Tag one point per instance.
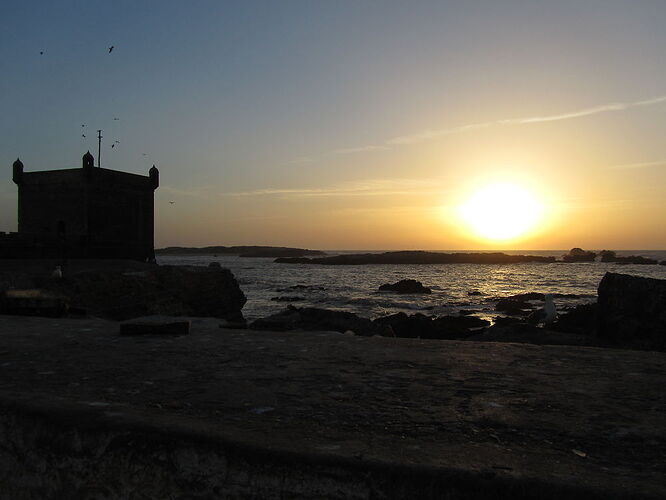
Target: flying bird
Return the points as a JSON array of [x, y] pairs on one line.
[[144, 154], [83, 135], [113, 146], [116, 119], [111, 48], [116, 142], [41, 52], [172, 202], [83, 125]]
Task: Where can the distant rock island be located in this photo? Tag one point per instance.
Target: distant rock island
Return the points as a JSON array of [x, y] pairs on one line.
[[417, 257], [242, 251]]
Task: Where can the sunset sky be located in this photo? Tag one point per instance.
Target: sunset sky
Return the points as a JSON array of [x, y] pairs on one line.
[[351, 124]]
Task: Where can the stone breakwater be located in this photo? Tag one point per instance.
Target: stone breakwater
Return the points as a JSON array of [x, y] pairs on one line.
[[120, 290]]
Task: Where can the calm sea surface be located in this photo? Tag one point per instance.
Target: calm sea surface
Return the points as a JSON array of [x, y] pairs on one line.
[[354, 288]]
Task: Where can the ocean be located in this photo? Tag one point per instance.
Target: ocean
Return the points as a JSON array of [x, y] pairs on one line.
[[354, 288]]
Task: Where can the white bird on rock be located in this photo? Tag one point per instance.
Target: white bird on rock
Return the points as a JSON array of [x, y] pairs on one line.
[[549, 309]]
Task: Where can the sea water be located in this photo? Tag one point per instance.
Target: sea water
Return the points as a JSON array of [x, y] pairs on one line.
[[354, 288]]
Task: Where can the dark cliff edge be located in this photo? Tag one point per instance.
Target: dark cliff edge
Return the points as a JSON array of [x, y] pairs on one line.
[[418, 257], [242, 251]]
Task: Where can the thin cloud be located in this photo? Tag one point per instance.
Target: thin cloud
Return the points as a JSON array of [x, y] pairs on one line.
[[373, 187], [645, 164], [429, 134], [360, 149]]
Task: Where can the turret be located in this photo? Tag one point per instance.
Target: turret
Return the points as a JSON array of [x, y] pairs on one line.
[[154, 175], [17, 171], [88, 160]]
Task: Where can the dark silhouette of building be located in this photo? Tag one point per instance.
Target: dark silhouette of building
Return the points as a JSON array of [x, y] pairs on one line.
[[85, 212]]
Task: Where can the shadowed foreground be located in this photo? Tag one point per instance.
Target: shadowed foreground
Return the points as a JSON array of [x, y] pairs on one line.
[[242, 413]]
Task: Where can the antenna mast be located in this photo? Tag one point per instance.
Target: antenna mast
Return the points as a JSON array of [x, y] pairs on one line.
[[99, 148]]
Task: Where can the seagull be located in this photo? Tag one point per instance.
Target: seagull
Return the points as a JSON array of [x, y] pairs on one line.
[[111, 48], [549, 309]]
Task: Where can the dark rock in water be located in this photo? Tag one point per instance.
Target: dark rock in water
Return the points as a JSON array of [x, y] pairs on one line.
[[405, 286], [457, 326], [522, 297], [286, 298], [610, 256], [159, 290], [425, 327], [632, 310], [314, 319], [418, 257], [579, 319], [662, 263], [473, 293], [402, 325], [513, 307], [579, 255]]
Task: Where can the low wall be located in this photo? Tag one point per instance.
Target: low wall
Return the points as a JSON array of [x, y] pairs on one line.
[[51, 450]]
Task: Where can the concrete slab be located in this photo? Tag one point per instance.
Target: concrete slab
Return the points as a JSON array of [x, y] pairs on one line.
[[423, 418]]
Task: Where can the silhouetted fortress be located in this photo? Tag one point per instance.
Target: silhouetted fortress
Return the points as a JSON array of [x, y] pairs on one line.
[[83, 212]]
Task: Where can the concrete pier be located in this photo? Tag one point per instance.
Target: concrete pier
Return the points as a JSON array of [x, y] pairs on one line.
[[87, 413]]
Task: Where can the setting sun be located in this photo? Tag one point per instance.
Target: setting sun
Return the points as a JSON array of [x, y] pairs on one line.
[[501, 212]]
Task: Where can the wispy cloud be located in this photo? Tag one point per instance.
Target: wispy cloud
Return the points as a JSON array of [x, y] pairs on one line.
[[629, 166], [360, 149], [373, 187], [429, 134]]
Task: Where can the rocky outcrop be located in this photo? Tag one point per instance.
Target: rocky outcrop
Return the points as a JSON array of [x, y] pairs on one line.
[[242, 251], [632, 310], [160, 290], [425, 327], [611, 256], [405, 286], [580, 319], [418, 257], [513, 307], [579, 255], [315, 319]]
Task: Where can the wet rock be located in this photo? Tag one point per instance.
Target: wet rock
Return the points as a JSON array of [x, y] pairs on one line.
[[286, 298], [405, 286], [474, 293], [513, 307], [579, 255], [425, 327], [632, 310], [315, 319], [578, 319]]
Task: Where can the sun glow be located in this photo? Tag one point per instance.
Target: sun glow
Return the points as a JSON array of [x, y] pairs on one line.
[[501, 212]]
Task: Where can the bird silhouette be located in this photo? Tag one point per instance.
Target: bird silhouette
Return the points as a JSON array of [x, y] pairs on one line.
[[113, 146], [117, 142], [116, 119], [41, 52], [83, 125], [83, 135], [111, 48], [172, 202], [144, 154]]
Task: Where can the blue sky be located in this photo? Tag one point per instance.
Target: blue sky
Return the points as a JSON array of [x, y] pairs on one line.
[[317, 123]]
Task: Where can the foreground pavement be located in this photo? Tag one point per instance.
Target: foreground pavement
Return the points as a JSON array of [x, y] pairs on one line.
[[87, 413]]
